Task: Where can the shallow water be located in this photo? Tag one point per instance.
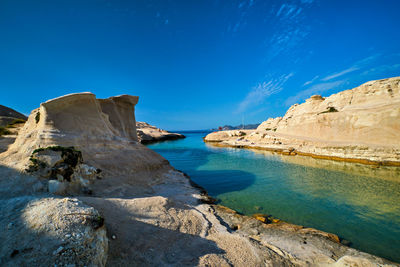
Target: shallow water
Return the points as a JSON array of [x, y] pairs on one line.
[[357, 202]]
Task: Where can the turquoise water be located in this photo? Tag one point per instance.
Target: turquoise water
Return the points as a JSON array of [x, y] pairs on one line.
[[359, 203]]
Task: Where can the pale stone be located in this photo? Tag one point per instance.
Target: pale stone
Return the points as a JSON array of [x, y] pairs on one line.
[[49, 157], [362, 123], [56, 187], [40, 226], [149, 133]]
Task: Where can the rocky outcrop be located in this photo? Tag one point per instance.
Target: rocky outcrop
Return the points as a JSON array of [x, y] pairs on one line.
[[361, 124], [8, 115], [149, 134], [141, 212], [51, 231], [269, 125], [99, 128], [367, 114]]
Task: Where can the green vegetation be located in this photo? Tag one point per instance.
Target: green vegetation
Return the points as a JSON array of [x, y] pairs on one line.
[[4, 131], [56, 148], [70, 155], [70, 158], [14, 122]]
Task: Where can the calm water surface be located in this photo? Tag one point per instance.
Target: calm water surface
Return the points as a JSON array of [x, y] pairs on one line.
[[359, 203]]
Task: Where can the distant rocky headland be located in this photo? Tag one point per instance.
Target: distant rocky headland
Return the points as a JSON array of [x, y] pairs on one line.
[[358, 125], [8, 115], [230, 127], [149, 134], [77, 188]]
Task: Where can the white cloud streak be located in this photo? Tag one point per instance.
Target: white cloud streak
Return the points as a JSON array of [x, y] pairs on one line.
[[311, 81], [341, 73], [263, 90], [356, 66]]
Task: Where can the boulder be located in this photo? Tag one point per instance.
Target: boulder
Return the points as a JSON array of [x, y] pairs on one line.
[[51, 232]]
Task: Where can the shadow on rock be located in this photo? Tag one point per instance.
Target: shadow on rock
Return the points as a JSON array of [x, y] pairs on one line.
[[38, 229], [148, 232]]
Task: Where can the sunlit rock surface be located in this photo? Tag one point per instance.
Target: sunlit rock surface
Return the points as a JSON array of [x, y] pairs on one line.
[[148, 133], [361, 124]]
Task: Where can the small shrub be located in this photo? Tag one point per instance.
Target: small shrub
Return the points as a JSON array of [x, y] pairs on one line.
[[17, 121], [4, 131], [70, 155], [14, 122], [70, 158]]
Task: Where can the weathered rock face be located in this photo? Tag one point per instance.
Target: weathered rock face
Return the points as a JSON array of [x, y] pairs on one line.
[[51, 231], [148, 133], [269, 125], [99, 128], [367, 114], [361, 124]]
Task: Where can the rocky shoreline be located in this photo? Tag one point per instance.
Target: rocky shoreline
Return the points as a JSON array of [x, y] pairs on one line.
[[338, 153], [78, 185], [360, 125]]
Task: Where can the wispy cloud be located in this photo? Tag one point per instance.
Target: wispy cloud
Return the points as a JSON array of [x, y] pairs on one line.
[[289, 27], [311, 81], [380, 69], [263, 90], [356, 66], [340, 73], [315, 89]]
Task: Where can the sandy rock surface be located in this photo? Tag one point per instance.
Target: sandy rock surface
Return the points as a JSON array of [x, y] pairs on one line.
[[360, 125], [41, 231], [148, 133], [153, 214]]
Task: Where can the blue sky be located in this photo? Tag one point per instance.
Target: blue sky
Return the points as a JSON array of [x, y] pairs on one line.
[[195, 64]]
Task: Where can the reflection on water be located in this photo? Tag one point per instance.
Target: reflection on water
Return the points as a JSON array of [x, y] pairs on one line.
[[380, 172], [359, 203]]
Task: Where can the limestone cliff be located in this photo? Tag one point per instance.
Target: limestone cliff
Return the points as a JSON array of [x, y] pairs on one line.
[[367, 114], [99, 128], [362, 123]]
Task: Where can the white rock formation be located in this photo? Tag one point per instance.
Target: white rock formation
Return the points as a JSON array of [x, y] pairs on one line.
[[361, 124], [148, 133]]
